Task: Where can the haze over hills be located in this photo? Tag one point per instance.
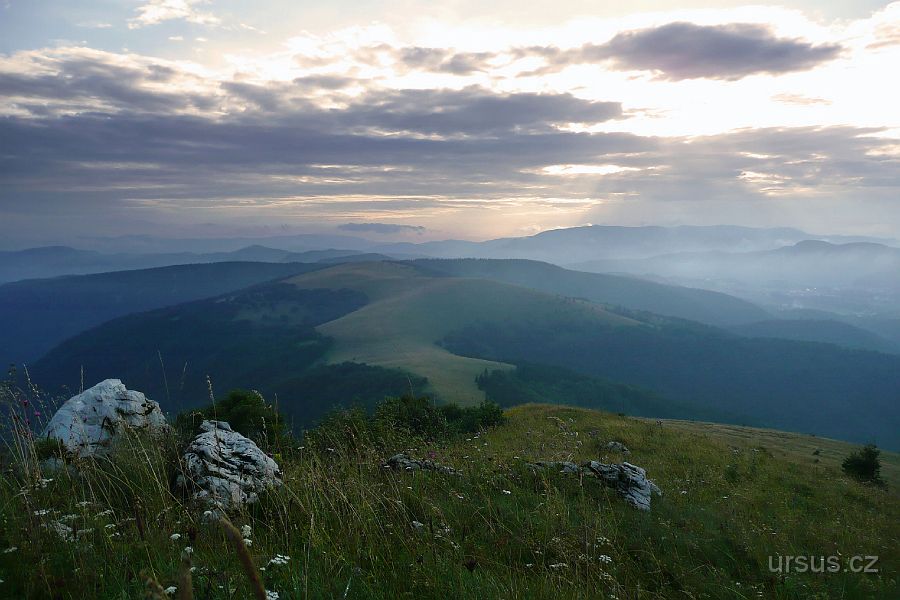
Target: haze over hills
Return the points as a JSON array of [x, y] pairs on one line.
[[53, 261], [450, 330], [566, 247]]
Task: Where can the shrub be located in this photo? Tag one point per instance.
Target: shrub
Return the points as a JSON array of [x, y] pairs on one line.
[[864, 464], [246, 412]]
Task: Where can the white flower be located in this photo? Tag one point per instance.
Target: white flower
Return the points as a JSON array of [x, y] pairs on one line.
[[175, 537], [279, 559], [246, 531], [171, 590], [188, 550], [110, 526], [418, 525], [42, 512], [84, 503], [248, 542], [10, 549], [559, 566], [105, 513], [271, 595], [507, 492], [604, 559]]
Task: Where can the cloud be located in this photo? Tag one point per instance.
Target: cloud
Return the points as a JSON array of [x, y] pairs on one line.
[[684, 50], [153, 12], [382, 228]]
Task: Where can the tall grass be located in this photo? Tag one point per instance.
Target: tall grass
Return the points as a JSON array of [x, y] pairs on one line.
[[344, 526]]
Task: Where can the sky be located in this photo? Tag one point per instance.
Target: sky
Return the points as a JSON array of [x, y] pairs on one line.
[[405, 120]]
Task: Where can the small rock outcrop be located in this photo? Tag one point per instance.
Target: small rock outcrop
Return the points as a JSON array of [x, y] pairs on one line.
[[87, 424], [402, 462], [225, 469], [629, 480], [617, 447]]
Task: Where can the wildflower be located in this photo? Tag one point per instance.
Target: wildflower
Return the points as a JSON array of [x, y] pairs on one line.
[[246, 531], [10, 549], [188, 550], [110, 526], [84, 504], [175, 537], [279, 559], [67, 518], [42, 512], [248, 542], [170, 591], [605, 559], [271, 595], [559, 566], [529, 565], [418, 525], [104, 513], [507, 492]]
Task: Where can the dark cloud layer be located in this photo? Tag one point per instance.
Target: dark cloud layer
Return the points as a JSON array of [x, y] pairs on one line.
[[131, 145], [687, 51]]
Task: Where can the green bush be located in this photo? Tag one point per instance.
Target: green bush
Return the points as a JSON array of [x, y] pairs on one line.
[[864, 464], [246, 412], [399, 422]]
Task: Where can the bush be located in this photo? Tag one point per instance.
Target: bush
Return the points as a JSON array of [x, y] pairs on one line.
[[864, 464], [246, 412], [398, 422]]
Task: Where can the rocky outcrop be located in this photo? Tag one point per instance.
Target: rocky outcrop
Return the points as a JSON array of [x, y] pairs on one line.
[[630, 481], [225, 469], [88, 424], [402, 462], [617, 447]]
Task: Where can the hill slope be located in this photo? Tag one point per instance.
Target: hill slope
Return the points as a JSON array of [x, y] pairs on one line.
[[410, 311], [451, 330], [36, 315], [354, 529], [703, 306]]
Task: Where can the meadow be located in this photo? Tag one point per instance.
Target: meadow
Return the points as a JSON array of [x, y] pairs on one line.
[[344, 526]]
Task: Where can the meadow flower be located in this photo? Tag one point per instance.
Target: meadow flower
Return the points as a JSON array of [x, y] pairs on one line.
[[10, 549], [246, 531], [104, 513], [559, 566], [507, 492], [175, 537], [42, 512], [605, 559], [279, 559], [271, 595], [171, 590]]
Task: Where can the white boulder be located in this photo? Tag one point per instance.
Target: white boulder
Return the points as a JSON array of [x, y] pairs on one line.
[[88, 423], [225, 469]]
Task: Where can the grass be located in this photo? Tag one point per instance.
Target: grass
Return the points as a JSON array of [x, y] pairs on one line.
[[409, 312], [353, 529]]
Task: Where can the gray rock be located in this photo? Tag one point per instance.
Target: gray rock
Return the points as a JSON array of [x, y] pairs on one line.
[[629, 480], [87, 424], [402, 462], [225, 469], [562, 466], [617, 447]]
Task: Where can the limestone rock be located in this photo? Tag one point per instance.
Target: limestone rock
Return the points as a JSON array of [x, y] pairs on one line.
[[405, 463], [226, 469], [88, 423], [617, 447], [629, 480]]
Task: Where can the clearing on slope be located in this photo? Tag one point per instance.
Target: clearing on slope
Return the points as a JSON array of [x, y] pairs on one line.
[[410, 311]]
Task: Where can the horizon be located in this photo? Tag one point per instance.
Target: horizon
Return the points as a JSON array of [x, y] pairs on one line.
[[405, 122]]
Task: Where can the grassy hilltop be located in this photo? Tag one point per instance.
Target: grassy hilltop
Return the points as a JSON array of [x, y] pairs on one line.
[[353, 529]]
